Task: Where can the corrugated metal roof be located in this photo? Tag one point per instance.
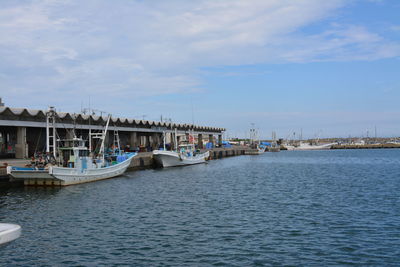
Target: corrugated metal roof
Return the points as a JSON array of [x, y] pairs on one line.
[[94, 118]]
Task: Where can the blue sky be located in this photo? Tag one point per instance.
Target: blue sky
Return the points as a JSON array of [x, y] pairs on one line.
[[330, 68]]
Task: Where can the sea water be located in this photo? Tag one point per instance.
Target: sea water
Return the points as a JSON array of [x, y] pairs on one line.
[[299, 208]]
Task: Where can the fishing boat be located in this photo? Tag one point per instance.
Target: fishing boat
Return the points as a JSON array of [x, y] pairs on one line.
[[256, 148], [307, 146], [72, 162], [185, 155], [274, 147], [9, 232]]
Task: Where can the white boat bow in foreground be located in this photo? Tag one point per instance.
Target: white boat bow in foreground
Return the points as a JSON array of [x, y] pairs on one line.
[[9, 232]]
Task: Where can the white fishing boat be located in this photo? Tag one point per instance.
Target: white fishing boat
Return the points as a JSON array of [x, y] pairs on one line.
[[186, 155], [73, 163], [9, 232], [274, 147], [307, 146], [257, 150], [85, 169]]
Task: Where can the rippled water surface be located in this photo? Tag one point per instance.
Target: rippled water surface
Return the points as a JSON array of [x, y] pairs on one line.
[[297, 208]]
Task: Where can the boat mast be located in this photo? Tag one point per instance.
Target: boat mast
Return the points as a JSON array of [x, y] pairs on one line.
[[103, 137], [47, 133], [90, 129], [116, 140], [164, 140], [176, 139], [51, 139]]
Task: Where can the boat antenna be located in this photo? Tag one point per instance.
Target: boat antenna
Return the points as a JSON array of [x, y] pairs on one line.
[[191, 100]]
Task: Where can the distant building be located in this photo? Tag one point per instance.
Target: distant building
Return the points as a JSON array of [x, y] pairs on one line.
[[1, 103]]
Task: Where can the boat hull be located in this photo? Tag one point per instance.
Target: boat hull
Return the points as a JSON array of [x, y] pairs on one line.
[[274, 149], [67, 176], [172, 159], [9, 232], [257, 151]]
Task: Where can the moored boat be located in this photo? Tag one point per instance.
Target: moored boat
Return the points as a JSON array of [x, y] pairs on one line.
[[71, 162], [306, 146], [273, 148], [9, 232], [258, 150], [186, 155], [85, 170]]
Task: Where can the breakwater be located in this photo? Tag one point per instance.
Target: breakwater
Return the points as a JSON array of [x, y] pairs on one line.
[[367, 146]]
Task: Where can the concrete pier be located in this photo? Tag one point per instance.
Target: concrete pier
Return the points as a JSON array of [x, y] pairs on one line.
[[219, 139], [211, 139], [219, 153], [200, 141], [133, 138], [21, 147], [366, 146]]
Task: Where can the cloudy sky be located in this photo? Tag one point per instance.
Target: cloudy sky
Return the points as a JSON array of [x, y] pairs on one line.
[[330, 68]]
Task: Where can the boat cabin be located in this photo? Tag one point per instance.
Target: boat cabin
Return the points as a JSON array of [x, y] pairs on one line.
[[73, 152], [187, 149]]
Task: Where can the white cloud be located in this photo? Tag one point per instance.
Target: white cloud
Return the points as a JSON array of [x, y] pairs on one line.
[[343, 43], [395, 28], [157, 47]]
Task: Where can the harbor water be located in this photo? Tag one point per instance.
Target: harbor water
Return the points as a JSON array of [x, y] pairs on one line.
[[299, 208]]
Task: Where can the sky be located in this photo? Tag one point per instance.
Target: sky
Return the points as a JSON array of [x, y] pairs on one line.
[[323, 68]]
